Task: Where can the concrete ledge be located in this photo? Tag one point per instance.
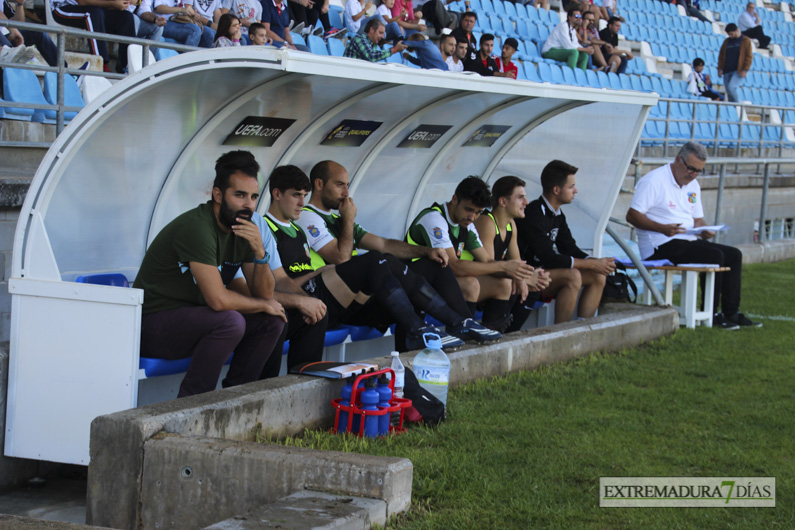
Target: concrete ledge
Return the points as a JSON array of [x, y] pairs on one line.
[[12, 522], [309, 509], [120, 443], [768, 252], [194, 482]]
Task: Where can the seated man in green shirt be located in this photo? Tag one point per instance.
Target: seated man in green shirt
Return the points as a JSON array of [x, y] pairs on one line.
[[190, 306], [450, 226]]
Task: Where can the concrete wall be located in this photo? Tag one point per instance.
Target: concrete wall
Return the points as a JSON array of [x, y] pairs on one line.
[[120, 483]]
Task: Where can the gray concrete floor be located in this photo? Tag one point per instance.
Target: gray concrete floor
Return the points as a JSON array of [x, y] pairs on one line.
[[58, 499]]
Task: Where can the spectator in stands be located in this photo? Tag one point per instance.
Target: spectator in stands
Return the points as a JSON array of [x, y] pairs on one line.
[[14, 10], [182, 24], [734, 61], [404, 14], [305, 17], [751, 26], [464, 32], [344, 286], [609, 9], [562, 43], [105, 16], [699, 84], [666, 203], [258, 35], [617, 59], [252, 11], [589, 37], [497, 231], [228, 33], [356, 20], [435, 12], [483, 63], [692, 8], [208, 12], [364, 46], [505, 68], [447, 47], [147, 24], [334, 238], [545, 240], [450, 226], [455, 63], [193, 306], [276, 19]]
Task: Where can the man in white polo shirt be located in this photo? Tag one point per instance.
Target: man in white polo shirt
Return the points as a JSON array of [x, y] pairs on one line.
[[666, 203]]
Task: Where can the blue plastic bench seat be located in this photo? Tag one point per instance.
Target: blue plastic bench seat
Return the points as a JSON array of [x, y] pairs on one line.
[[359, 333]]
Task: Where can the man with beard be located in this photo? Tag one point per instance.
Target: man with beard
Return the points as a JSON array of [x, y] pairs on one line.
[[191, 305]]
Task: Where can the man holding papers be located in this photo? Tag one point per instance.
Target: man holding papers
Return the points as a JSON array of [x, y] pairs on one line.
[[667, 211]]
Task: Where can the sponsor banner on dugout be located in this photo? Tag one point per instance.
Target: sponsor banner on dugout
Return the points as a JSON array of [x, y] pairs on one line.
[[424, 136], [692, 492], [351, 133], [258, 131]]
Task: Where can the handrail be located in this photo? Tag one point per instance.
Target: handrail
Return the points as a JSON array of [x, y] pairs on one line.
[[61, 33]]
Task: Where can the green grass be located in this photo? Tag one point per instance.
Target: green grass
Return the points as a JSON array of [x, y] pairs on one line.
[[527, 450]]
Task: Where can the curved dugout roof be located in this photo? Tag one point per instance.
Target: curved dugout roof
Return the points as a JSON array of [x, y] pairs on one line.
[[144, 152]]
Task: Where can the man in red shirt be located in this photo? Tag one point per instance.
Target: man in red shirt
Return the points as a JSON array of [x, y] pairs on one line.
[[505, 66]]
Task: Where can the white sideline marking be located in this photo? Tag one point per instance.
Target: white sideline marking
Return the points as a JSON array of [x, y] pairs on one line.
[[777, 317]]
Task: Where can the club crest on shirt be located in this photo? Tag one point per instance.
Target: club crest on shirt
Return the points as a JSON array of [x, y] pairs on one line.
[[313, 230], [460, 249], [437, 232], [691, 197]]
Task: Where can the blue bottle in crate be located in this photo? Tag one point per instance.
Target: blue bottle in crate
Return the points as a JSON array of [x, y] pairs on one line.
[[370, 400], [432, 367], [347, 390], [384, 395]]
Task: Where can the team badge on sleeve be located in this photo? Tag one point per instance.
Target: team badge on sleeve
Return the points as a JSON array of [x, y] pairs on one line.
[[306, 249], [437, 232], [691, 197], [313, 230], [460, 249]]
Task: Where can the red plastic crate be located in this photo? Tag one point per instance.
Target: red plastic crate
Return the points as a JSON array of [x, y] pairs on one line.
[[397, 404]]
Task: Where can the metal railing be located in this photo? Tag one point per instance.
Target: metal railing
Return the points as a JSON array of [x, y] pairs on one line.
[[61, 33], [716, 140]]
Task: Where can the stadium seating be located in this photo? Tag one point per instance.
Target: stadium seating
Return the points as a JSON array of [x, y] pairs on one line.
[[72, 96], [22, 86]]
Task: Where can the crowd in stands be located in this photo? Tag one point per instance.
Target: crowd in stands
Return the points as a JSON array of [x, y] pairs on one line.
[[487, 37]]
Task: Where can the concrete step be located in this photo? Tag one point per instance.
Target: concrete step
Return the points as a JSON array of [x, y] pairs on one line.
[[12, 522], [311, 509]]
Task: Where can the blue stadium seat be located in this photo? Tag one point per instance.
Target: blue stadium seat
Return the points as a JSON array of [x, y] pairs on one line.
[[545, 72], [593, 80], [580, 77], [510, 11], [532, 14], [542, 14], [71, 95], [557, 74], [113, 279], [531, 72], [164, 53], [646, 84], [335, 47], [335, 15], [22, 86], [337, 335], [317, 46], [568, 76], [554, 18], [625, 82], [297, 39], [615, 82], [604, 82], [635, 81]]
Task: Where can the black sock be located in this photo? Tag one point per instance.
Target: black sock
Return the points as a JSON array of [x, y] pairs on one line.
[[473, 307], [495, 312], [394, 298], [521, 312]]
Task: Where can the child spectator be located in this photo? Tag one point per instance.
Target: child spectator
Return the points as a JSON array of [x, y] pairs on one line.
[[228, 31], [699, 84]]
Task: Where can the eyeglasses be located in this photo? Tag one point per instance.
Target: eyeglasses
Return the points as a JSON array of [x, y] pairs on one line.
[[577, 16], [691, 169]]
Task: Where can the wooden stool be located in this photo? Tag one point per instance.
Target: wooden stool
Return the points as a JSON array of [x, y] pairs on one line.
[[689, 315]]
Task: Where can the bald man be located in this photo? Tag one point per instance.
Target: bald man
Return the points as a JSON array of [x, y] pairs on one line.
[[334, 238]]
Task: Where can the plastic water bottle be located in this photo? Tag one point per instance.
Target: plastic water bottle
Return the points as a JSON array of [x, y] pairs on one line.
[[384, 395], [357, 418], [400, 380], [432, 367], [347, 390], [370, 399]]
